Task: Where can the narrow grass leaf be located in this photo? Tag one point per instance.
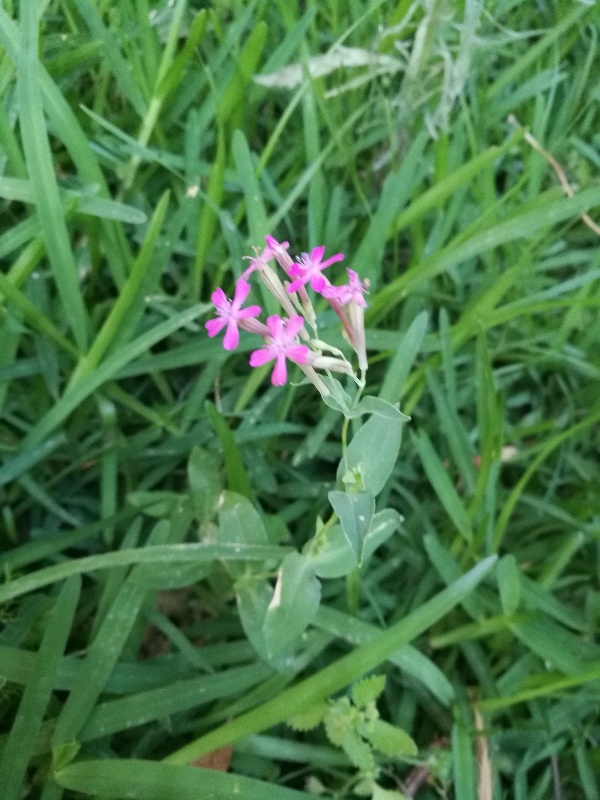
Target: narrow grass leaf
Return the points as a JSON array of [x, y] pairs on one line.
[[463, 760], [42, 175], [231, 100], [448, 570], [237, 477], [255, 209], [509, 583], [127, 296], [20, 745], [442, 485], [157, 554], [208, 216], [408, 659], [148, 780], [406, 352], [29, 457], [435, 196], [396, 192], [140, 708], [454, 432]]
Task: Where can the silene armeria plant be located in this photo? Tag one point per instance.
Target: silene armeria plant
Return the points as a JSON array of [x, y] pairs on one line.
[[285, 335], [276, 614]]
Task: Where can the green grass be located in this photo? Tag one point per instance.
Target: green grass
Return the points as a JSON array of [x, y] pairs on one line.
[[140, 161]]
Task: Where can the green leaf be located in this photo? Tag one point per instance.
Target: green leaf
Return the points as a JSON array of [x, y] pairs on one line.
[[376, 406], [339, 399], [126, 299], [391, 741], [309, 719], [107, 370], [368, 690], [509, 584], [64, 754], [240, 522], [252, 603], [335, 557], [358, 751], [373, 451], [355, 512], [255, 210], [521, 226], [294, 603]]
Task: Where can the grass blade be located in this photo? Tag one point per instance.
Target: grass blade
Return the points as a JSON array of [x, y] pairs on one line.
[[20, 745]]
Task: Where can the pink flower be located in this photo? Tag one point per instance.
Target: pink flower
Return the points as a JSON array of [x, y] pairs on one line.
[[278, 250], [309, 268], [258, 262], [230, 313], [281, 344], [354, 290]]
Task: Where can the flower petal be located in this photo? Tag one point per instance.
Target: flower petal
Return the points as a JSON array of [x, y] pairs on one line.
[[332, 260], [260, 357], [297, 270], [232, 336], [275, 325], [317, 253], [295, 285], [331, 292], [251, 311], [298, 353], [292, 327], [242, 289], [219, 298], [318, 283], [273, 244], [214, 326], [279, 374]]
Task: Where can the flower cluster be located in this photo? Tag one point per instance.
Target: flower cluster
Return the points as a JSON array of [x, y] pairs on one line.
[[282, 335]]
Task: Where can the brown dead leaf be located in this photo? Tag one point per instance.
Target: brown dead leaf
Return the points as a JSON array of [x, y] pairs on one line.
[[218, 760]]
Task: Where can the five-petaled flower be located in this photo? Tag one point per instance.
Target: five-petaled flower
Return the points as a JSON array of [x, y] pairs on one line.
[[230, 313], [309, 268], [281, 344], [354, 290]]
